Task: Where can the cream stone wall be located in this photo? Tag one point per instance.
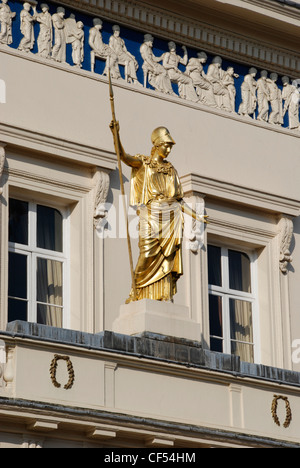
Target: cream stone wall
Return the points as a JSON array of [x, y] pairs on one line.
[[203, 145], [293, 299], [250, 163], [120, 385]]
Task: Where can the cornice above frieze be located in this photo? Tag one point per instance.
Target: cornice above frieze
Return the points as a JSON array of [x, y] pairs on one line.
[[161, 23], [284, 8]]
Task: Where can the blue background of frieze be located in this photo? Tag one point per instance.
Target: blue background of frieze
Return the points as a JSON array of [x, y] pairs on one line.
[[133, 40]]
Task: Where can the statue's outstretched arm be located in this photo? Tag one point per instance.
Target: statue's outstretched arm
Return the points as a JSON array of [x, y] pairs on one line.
[[126, 158], [189, 211]]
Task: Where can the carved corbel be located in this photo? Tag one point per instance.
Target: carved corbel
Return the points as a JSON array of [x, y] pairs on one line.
[[286, 229], [194, 230], [101, 193], [9, 369], [2, 360], [2, 161]]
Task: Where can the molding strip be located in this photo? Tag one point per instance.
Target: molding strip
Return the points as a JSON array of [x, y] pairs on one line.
[[193, 183], [69, 150], [133, 424]]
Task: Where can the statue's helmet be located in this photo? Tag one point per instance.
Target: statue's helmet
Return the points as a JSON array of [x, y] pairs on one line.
[[160, 136]]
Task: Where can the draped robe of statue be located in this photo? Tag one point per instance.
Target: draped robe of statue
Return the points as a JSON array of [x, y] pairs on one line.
[[157, 191], [27, 42], [6, 17], [290, 95]]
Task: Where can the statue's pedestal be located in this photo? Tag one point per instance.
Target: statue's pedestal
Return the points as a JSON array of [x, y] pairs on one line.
[[163, 318]]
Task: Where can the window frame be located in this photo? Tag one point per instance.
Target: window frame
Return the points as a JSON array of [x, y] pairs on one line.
[[226, 293], [33, 252]]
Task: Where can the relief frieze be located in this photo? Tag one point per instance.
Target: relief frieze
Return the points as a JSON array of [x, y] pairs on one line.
[[57, 33]]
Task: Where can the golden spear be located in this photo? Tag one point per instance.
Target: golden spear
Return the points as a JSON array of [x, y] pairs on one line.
[[118, 151]]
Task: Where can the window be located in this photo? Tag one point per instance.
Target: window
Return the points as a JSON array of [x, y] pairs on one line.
[[232, 302], [37, 263]]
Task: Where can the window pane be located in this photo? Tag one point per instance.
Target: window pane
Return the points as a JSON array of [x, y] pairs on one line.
[[243, 350], [239, 271], [17, 310], [49, 315], [18, 221], [215, 315], [241, 328], [216, 345], [49, 281], [49, 229], [17, 275], [214, 266]]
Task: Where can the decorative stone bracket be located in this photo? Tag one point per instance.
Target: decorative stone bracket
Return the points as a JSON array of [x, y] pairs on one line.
[[101, 192], [194, 230], [2, 361], [286, 229], [9, 368], [2, 161]]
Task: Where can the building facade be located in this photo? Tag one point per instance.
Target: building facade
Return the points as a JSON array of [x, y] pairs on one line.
[[220, 366]]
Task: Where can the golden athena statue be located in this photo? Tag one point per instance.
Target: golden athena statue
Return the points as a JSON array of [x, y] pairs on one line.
[[157, 192]]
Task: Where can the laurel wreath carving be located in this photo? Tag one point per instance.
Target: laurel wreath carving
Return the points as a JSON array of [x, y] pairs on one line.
[[53, 369], [288, 418]]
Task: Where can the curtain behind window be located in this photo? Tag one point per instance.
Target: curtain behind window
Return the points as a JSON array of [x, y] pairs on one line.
[[49, 292]]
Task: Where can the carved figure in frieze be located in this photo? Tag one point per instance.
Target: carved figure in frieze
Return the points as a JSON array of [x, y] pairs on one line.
[[59, 48], [6, 17], [276, 116], [78, 44], [215, 75], [171, 62], [154, 72], [45, 37], [27, 22], [263, 97], [249, 98], [204, 88], [101, 50], [290, 96], [228, 81], [75, 35], [117, 44]]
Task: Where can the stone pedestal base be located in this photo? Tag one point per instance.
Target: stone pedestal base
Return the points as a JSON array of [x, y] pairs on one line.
[[163, 318]]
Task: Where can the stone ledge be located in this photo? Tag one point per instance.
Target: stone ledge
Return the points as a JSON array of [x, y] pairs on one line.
[[155, 347], [19, 411]]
